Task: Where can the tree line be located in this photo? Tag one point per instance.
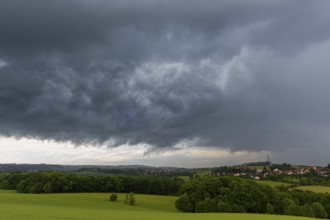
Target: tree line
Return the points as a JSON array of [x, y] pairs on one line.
[[57, 182], [311, 178], [230, 194]]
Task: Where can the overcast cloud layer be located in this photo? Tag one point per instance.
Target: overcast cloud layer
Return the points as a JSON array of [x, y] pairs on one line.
[[245, 75]]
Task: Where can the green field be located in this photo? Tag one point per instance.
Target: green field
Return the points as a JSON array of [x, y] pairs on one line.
[[273, 183], [185, 178], [95, 206], [318, 189]]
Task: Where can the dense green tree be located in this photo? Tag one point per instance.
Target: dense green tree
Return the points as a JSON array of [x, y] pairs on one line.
[[48, 187], [238, 208], [306, 210], [224, 207], [4, 184], [200, 207], [248, 195], [183, 204], [157, 187], [22, 186], [119, 186], [270, 208], [210, 205], [38, 187], [327, 209], [318, 210], [291, 208]]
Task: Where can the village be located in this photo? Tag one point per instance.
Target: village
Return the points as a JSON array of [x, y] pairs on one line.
[[262, 170]]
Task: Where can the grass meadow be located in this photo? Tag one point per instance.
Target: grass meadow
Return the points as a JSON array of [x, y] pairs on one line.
[[317, 189], [273, 183], [96, 206]]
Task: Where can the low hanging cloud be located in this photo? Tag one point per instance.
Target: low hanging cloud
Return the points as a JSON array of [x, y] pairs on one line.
[[230, 74]]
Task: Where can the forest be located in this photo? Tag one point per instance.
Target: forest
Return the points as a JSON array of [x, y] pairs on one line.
[[57, 182], [230, 194]]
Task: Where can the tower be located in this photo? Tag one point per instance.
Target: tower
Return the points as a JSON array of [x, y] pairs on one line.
[[268, 161]]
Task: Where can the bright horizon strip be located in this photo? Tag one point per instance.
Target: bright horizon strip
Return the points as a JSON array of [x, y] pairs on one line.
[[34, 151]]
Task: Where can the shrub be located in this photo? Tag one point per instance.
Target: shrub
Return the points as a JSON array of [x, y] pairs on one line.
[[183, 204], [113, 197], [130, 199]]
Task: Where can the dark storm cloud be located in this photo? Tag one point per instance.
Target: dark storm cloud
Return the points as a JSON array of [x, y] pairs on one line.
[[249, 75]]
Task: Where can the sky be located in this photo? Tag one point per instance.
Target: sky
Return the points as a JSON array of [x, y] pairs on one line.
[[164, 83]]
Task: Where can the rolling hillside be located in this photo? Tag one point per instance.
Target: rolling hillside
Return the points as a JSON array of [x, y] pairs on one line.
[[89, 206]]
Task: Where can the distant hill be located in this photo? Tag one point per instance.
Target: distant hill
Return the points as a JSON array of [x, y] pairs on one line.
[[97, 169], [263, 163]]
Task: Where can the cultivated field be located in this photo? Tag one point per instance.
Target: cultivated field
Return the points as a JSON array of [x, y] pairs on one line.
[[318, 189], [96, 206]]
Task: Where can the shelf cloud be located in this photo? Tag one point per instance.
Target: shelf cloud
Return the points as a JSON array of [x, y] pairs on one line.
[[244, 75]]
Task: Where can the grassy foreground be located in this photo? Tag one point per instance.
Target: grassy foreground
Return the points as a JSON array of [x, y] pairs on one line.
[[96, 206]]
